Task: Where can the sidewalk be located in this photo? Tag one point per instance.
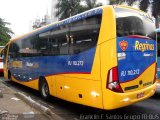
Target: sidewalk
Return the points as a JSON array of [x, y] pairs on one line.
[[13, 108]]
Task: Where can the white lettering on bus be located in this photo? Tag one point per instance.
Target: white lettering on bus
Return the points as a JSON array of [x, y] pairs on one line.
[[130, 72], [29, 64], [33, 65], [76, 63]]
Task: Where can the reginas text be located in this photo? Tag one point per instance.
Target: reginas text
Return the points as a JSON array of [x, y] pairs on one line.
[[143, 46]]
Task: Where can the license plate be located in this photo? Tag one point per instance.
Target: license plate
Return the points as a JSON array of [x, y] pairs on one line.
[[140, 95]]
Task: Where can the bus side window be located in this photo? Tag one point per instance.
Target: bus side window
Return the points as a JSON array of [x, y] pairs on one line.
[[42, 44], [84, 34], [14, 50], [60, 40], [54, 47]]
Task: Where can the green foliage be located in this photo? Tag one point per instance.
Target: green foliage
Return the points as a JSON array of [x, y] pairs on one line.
[[156, 11], [67, 8], [89, 4], [156, 8], [129, 2], [5, 32], [144, 5], [112, 2]]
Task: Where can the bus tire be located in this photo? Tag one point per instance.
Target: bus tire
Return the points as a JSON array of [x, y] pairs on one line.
[[44, 88]]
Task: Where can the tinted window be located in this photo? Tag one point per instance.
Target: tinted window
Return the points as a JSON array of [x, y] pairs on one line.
[[129, 26], [131, 22], [43, 43], [47, 45], [60, 38], [54, 42], [24, 48], [66, 39], [27, 49], [14, 49], [84, 34]]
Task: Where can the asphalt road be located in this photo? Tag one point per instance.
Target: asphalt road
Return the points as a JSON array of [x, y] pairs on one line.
[[145, 110]]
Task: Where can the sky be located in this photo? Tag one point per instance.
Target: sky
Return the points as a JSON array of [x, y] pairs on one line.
[[21, 13]]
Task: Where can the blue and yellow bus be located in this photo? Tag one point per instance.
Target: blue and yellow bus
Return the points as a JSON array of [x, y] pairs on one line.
[[101, 58]]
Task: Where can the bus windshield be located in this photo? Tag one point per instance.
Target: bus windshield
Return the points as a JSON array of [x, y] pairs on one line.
[[132, 22]]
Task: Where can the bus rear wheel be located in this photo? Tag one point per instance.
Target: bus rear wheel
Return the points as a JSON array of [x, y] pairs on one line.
[[44, 89]]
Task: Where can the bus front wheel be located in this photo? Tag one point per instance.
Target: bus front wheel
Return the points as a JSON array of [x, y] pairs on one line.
[[44, 89]]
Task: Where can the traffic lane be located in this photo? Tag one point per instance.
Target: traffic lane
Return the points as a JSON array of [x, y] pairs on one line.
[[74, 111], [149, 107]]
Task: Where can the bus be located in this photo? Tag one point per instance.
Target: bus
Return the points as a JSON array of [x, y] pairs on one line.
[[1, 60], [103, 58]]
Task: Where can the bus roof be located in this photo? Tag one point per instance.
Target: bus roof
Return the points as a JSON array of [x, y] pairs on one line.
[[128, 7], [77, 17], [51, 26]]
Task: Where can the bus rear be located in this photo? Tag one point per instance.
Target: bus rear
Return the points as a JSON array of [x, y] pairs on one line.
[[133, 78]]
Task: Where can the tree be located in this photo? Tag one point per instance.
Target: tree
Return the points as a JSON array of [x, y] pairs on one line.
[[67, 8], [116, 2], [5, 32], [89, 4], [144, 5]]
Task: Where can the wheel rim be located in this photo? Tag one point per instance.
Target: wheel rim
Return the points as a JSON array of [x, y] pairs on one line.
[[45, 90]]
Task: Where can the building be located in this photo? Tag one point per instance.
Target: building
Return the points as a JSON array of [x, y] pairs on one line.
[[47, 18], [37, 23]]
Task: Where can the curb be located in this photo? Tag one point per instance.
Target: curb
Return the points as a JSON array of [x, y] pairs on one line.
[[44, 110]]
